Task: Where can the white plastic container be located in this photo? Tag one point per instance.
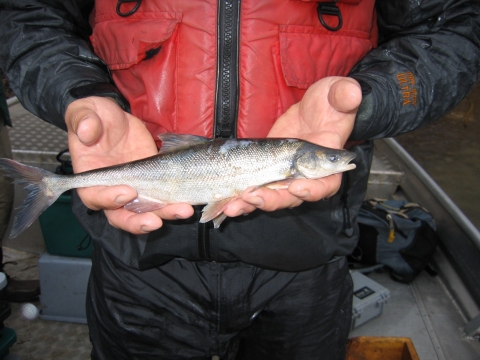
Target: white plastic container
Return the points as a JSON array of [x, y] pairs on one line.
[[369, 297]]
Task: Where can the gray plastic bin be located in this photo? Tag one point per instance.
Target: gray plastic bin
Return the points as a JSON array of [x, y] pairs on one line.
[[63, 286]]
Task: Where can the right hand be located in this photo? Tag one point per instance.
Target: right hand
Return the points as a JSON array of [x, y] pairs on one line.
[[101, 134], [325, 116]]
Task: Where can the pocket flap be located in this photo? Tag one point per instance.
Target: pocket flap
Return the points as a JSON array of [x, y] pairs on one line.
[[122, 43], [310, 53]]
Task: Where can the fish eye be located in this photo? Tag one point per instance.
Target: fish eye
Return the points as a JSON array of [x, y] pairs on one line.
[[333, 158]]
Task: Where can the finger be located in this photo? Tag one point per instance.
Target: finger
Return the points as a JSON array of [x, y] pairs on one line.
[[175, 211], [314, 190], [132, 222], [345, 95], [271, 200], [85, 124], [239, 207], [106, 197], [89, 129]]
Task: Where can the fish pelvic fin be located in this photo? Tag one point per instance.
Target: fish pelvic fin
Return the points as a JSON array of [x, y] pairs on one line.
[[214, 211], [41, 193], [144, 204]]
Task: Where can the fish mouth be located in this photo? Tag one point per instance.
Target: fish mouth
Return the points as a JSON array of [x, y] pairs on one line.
[[349, 167], [344, 168]]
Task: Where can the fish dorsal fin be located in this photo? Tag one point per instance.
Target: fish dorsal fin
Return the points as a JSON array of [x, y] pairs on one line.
[[171, 142]]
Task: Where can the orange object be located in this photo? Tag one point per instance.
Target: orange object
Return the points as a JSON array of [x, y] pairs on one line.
[[381, 348]]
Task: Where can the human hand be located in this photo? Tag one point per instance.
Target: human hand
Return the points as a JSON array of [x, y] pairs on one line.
[[325, 116], [101, 134]]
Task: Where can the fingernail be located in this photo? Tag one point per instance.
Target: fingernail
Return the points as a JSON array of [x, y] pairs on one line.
[[121, 199], [257, 201], [146, 229], [302, 194]]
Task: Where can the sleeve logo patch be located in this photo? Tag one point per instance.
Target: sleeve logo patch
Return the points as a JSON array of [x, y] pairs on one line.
[[407, 84]]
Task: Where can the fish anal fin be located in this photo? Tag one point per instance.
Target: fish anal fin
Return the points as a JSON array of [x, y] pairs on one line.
[[171, 141], [214, 211], [144, 204], [218, 220]]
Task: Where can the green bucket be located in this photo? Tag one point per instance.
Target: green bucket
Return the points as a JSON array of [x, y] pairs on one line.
[[61, 231]]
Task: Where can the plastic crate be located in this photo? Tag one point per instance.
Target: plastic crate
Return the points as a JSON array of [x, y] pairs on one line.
[[369, 298], [63, 287], [61, 231], [381, 348]]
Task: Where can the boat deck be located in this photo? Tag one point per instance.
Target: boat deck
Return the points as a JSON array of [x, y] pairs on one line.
[[424, 311]]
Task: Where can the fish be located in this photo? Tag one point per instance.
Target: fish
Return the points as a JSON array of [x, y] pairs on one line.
[[188, 169]]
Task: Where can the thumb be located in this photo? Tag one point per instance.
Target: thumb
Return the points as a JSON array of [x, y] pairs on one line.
[[345, 95], [85, 123]]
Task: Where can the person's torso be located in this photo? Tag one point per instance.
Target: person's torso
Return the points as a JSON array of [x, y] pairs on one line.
[[226, 68], [229, 68]]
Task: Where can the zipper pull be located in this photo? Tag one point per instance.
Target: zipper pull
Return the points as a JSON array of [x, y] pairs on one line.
[[391, 235]]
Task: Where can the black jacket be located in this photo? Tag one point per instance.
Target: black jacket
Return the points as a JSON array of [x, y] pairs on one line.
[[427, 61]]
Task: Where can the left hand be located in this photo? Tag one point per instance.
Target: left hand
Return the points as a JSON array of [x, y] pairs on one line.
[[325, 116], [100, 134]]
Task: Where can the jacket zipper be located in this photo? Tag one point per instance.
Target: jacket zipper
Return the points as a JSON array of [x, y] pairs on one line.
[[227, 69], [204, 241], [226, 97]]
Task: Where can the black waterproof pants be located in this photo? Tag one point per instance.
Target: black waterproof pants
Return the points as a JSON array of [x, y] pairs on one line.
[[194, 310]]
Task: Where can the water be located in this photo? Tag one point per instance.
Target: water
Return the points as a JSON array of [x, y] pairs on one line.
[[449, 151]]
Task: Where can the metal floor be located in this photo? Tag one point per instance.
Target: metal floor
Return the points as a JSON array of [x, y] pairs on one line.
[[425, 312], [36, 142], [40, 339]]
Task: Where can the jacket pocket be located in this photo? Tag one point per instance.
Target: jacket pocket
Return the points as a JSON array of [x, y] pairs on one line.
[[122, 43], [142, 52], [309, 53]]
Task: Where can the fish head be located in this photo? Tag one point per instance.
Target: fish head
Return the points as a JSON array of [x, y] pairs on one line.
[[317, 163]]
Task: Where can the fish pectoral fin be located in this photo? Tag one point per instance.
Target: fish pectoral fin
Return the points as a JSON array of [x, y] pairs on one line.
[[276, 185], [172, 141], [214, 211], [144, 204]]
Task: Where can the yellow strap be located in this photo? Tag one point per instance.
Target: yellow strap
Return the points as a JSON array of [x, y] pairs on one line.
[[391, 236]]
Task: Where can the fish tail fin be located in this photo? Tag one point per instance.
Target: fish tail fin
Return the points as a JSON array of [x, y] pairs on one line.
[[41, 193]]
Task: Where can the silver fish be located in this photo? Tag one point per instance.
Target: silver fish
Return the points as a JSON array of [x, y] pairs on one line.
[[188, 169]]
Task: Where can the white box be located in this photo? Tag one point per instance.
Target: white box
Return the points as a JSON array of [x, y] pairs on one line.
[[369, 298]]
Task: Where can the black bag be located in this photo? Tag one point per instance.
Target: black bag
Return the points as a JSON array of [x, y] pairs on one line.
[[397, 234]]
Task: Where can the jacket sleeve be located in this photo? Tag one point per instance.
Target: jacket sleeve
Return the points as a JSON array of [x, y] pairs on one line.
[[47, 58], [428, 59]]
